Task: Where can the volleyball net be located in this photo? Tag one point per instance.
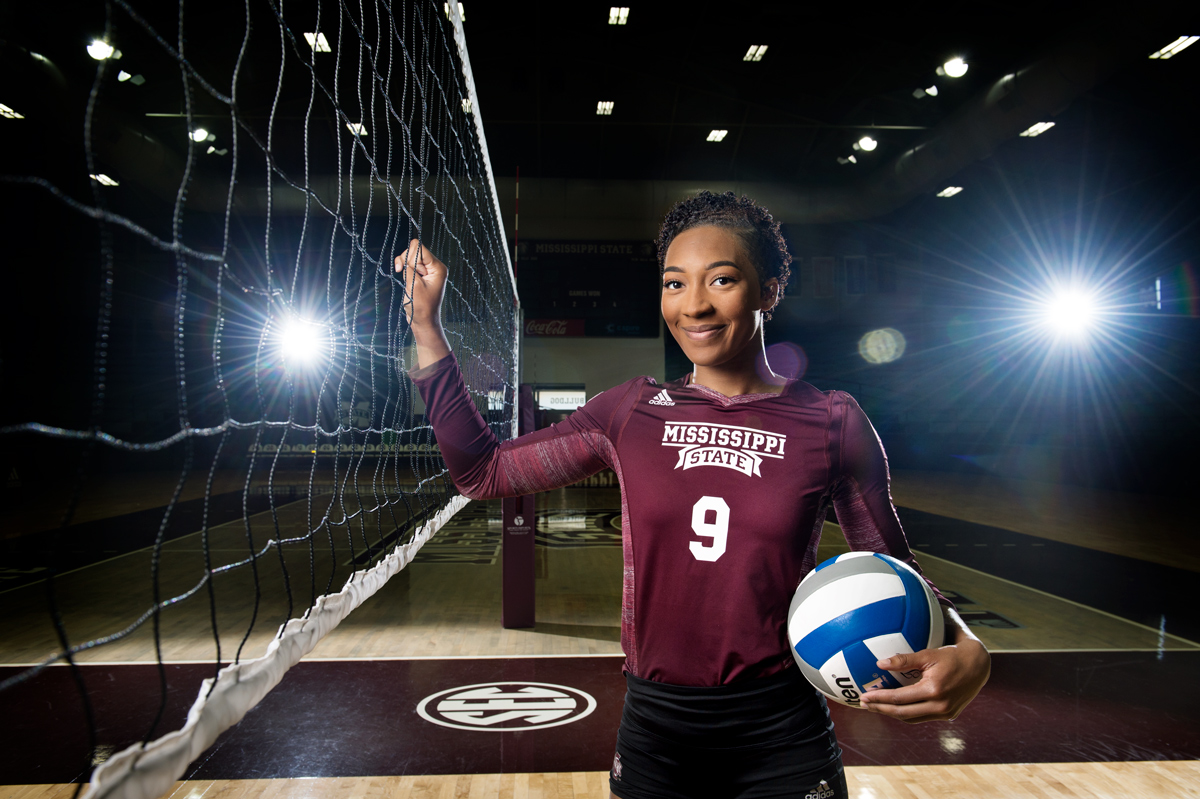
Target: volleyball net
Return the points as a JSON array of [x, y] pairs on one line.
[[288, 152]]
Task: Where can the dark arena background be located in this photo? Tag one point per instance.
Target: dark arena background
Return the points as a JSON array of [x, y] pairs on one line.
[[213, 455]]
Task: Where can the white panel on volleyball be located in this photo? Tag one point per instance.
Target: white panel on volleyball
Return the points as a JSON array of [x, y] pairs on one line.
[[839, 683], [888, 644], [937, 623], [840, 597]]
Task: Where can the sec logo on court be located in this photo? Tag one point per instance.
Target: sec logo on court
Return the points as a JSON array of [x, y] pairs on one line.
[[506, 706]]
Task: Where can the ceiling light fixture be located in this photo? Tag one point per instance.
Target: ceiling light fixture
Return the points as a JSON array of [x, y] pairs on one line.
[[604, 108], [866, 143], [618, 15], [954, 68], [104, 180], [8, 113], [318, 42], [931, 91], [755, 53], [848, 160], [1037, 130], [357, 128], [717, 135], [100, 50], [462, 12], [949, 191], [123, 76], [1174, 47], [199, 134]]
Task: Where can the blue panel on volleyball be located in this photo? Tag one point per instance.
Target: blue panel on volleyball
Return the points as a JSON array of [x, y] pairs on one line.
[[868, 621], [916, 625]]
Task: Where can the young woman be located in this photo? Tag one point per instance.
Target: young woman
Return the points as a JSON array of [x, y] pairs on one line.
[[725, 478]]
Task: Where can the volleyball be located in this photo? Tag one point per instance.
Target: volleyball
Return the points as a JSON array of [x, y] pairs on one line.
[[854, 610]]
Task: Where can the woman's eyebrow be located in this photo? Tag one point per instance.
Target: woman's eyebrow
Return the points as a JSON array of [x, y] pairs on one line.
[[711, 266]]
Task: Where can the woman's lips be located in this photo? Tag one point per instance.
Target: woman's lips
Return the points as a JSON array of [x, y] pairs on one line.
[[702, 332]]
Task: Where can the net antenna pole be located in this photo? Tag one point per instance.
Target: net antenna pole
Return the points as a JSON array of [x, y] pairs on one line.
[[460, 39]]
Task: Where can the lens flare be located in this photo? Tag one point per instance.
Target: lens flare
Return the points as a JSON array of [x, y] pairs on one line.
[[784, 359], [302, 341], [882, 346], [1071, 312]]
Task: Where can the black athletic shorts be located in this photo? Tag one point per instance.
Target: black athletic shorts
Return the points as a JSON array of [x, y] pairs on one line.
[[770, 737]]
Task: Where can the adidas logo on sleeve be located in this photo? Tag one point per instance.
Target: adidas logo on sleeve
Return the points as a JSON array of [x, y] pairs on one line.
[[662, 398]]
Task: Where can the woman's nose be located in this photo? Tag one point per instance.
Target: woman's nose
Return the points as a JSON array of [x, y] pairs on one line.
[[696, 302]]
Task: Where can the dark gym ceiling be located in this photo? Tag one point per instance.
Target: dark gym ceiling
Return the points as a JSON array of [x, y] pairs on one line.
[[831, 74]]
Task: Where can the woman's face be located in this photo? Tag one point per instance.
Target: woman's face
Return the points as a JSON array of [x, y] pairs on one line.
[[712, 300]]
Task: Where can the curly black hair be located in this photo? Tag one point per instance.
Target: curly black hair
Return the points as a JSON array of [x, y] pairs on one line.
[[752, 223]]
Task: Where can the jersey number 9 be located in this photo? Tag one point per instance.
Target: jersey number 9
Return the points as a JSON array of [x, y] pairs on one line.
[[717, 530]]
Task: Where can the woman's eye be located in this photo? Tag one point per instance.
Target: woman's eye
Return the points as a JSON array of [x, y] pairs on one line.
[[724, 280], [672, 284]]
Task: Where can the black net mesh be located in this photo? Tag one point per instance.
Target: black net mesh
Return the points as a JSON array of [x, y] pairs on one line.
[[230, 231]]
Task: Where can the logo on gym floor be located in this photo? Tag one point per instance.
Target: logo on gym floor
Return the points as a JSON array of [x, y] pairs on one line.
[[506, 706]]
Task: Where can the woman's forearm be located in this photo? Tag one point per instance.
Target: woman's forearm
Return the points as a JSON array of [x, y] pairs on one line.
[[431, 343]]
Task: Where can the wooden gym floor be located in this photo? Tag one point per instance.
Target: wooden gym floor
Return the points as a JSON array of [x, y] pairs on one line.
[[1078, 593]]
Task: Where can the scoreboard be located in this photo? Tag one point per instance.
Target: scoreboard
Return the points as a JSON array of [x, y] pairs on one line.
[[589, 288]]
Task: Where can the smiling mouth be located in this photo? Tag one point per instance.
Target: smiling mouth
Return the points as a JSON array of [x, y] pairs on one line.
[[702, 332]]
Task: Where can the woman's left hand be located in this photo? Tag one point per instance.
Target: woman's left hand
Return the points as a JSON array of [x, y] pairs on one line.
[[951, 676]]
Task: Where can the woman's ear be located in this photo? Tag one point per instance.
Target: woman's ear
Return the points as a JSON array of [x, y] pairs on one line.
[[770, 294]]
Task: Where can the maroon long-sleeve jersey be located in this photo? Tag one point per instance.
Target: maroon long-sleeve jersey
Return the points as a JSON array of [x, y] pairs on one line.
[[722, 504]]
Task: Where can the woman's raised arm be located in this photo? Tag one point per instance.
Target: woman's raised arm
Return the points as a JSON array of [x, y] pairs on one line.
[[482, 466]]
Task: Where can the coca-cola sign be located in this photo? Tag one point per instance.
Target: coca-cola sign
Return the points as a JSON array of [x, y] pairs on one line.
[[554, 327]]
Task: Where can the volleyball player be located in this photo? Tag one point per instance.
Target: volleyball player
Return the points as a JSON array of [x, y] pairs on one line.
[[726, 476]]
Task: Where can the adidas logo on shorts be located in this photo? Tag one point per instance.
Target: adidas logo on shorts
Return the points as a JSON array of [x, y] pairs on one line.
[[822, 791], [662, 398]]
